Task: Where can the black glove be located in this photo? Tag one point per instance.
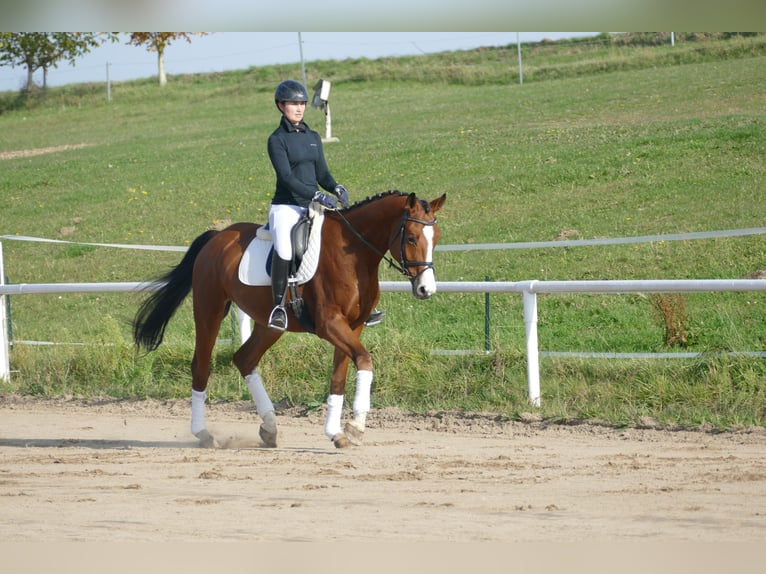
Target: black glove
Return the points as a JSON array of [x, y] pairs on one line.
[[326, 201], [342, 194]]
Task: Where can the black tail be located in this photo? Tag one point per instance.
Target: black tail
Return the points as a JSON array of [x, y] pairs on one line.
[[155, 312]]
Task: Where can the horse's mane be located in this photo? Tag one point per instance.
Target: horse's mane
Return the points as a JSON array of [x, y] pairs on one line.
[[382, 195]]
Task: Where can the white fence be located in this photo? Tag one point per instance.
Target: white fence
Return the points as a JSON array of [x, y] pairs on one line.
[[528, 289]]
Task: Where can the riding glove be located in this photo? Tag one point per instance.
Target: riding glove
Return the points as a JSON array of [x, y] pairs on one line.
[[326, 201], [342, 194]]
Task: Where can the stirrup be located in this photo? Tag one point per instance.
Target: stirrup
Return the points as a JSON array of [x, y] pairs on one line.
[[375, 318], [278, 319]]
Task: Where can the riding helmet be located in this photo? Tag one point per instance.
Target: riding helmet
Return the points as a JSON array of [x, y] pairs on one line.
[[291, 91]]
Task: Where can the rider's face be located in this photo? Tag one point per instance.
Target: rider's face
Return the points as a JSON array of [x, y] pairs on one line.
[[293, 111]]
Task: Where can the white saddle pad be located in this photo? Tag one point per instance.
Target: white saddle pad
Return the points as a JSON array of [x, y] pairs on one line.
[[252, 266]]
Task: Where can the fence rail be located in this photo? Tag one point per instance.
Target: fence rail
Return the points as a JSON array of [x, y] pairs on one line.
[[528, 289]]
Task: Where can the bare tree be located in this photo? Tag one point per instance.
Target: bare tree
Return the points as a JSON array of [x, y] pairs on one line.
[[157, 42]]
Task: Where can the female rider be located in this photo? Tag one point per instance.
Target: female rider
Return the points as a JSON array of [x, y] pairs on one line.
[[298, 159]]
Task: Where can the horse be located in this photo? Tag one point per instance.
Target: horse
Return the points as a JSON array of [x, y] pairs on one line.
[[338, 299]]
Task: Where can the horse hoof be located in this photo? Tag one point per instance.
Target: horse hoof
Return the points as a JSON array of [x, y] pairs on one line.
[[340, 440], [206, 440], [268, 437], [354, 433]]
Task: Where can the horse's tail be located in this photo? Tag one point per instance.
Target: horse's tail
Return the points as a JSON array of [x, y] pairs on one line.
[[155, 312]]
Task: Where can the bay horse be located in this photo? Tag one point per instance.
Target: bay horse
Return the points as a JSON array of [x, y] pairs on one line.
[[339, 299]]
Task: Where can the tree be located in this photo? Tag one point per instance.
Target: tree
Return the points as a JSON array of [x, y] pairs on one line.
[[157, 42], [44, 50]]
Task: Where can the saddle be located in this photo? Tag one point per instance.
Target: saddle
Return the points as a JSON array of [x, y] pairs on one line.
[[306, 235]]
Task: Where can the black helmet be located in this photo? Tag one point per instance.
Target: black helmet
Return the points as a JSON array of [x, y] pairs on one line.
[[291, 91]]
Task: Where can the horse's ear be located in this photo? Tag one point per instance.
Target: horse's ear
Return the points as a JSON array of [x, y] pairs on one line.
[[437, 204], [412, 200]]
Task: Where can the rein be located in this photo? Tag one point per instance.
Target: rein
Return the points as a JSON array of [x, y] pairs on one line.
[[406, 264]]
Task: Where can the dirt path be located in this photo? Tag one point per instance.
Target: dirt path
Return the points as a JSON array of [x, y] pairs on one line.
[[130, 471], [40, 151]]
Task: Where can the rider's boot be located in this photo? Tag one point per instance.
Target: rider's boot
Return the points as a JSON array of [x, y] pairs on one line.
[[279, 272], [375, 318]]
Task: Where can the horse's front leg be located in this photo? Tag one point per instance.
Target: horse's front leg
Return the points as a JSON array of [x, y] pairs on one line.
[[332, 428], [355, 427], [353, 431]]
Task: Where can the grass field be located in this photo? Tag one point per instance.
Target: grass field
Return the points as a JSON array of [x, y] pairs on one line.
[[640, 141]]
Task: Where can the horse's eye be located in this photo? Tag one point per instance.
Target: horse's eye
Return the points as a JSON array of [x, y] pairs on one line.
[[411, 240]]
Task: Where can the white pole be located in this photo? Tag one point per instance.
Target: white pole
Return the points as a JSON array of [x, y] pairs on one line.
[[5, 366], [245, 329], [328, 125], [533, 357], [518, 50]]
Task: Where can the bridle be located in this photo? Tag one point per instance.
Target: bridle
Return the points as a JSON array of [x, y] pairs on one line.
[[406, 263]]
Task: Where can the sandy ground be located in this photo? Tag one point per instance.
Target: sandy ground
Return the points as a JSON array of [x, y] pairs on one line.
[[130, 471]]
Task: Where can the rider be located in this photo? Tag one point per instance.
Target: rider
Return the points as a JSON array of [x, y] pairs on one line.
[[298, 159]]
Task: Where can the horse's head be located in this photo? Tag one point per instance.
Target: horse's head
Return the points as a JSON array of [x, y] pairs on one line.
[[414, 242]]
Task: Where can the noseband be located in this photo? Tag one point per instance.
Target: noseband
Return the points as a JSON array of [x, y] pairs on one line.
[[406, 263]]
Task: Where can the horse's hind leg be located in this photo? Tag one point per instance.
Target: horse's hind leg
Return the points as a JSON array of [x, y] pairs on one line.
[[207, 321], [246, 359]]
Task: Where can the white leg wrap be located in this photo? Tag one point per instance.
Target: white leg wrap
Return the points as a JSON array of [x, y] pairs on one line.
[[198, 411], [263, 403], [334, 410], [362, 396]]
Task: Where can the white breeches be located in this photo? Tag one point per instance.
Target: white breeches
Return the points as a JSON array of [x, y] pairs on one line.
[[282, 219]]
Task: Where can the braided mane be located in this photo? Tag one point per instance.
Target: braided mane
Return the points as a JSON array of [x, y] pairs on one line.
[[381, 195]]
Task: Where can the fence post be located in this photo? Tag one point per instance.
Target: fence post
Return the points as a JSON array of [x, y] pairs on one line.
[[245, 329], [533, 357], [5, 367], [486, 319]]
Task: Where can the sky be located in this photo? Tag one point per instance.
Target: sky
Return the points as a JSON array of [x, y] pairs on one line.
[[221, 51]]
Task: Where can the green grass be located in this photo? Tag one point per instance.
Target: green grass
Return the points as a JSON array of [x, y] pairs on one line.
[[602, 140]]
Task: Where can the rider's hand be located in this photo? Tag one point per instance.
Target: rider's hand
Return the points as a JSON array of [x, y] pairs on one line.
[[326, 201], [342, 194]]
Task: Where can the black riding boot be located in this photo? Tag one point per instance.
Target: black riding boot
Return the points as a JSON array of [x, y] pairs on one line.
[[279, 271], [375, 318]]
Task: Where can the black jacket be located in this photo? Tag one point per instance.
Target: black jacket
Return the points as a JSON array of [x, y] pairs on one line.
[[299, 163]]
